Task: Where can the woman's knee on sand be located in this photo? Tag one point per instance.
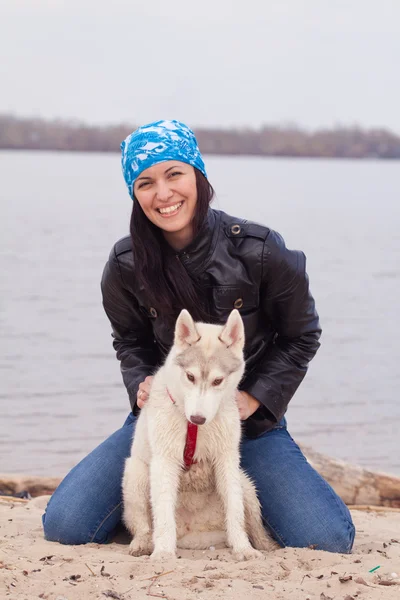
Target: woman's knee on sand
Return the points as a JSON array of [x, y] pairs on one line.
[[299, 507], [70, 521], [87, 505], [338, 537]]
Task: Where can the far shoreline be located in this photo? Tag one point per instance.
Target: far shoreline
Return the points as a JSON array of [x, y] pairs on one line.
[[217, 154], [288, 141]]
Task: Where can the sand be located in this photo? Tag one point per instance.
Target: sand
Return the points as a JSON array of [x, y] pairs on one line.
[[31, 568]]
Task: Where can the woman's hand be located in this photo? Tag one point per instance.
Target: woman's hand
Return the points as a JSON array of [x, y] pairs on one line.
[[144, 391], [247, 404]]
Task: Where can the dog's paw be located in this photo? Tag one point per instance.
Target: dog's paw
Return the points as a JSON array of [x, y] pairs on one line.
[[247, 554], [162, 556], [141, 546]]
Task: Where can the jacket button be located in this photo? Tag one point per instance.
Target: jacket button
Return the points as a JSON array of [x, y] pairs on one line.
[[153, 312], [235, 229], [238, 303]]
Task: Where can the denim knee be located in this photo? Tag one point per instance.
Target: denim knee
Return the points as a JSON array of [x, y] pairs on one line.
[[343, 539], [66, 524], [338, 537], [61, 527], [87, 505]]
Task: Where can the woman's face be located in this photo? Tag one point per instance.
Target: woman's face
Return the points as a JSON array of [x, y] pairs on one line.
[[167, 194]]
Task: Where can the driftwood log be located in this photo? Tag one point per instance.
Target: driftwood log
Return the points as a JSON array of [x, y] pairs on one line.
[[355, 485], [35, 486]]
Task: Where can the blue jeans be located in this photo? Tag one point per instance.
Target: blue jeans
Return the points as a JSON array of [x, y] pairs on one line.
[[298, 506]]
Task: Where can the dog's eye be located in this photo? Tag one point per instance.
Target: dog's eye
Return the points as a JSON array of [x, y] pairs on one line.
[[217, 381], [190, 377]]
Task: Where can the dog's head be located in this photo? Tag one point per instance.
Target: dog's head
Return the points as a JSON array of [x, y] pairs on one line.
[[208, 363]]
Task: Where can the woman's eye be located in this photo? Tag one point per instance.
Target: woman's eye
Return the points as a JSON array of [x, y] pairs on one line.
[[175, 173], [217, 381], [142, 185], [190, 377]]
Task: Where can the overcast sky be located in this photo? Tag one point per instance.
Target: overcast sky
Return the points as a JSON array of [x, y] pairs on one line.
[[210, 62]]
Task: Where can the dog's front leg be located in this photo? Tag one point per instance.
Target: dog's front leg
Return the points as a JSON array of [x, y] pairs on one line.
[[229, 487], [137, 514], [164, 483]]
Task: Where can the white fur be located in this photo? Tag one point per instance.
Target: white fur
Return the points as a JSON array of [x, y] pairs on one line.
[[214, 501]]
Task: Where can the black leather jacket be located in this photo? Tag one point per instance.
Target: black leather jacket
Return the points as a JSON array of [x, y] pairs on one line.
[[238, 264]]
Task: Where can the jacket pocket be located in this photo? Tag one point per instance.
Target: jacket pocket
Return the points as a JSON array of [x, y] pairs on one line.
[[229, 297]]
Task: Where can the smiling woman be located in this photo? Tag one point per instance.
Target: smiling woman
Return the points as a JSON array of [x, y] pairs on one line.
[[182, 254]]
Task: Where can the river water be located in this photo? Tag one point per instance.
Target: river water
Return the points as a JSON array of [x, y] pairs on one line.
[[61, 391]]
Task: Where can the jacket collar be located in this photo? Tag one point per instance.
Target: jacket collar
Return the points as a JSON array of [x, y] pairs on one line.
[[196, 255]]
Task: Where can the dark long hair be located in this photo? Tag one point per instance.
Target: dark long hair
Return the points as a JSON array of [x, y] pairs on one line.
[[168, 286]]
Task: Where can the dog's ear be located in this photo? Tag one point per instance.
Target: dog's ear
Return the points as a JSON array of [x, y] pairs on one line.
[[186, 333], [232, 334]]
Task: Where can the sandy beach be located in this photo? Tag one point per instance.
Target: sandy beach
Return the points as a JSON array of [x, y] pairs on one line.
[[31, 568]]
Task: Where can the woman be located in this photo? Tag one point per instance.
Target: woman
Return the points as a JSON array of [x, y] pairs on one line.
[[181, 253]]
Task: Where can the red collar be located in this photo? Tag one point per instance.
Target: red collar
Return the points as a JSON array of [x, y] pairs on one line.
[[191, 439]]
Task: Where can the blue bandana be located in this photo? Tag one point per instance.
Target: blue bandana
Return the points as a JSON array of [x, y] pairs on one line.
[[156, 143]]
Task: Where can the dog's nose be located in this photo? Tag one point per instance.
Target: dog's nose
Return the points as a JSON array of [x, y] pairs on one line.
[[198, 419]]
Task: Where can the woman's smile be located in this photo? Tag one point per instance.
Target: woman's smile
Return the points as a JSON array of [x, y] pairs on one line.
[[170, 211]]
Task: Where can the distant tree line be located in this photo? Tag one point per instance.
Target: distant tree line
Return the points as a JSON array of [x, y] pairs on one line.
[[342, 142]]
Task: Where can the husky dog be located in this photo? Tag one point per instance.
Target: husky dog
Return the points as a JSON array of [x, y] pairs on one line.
[[187, 491]]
